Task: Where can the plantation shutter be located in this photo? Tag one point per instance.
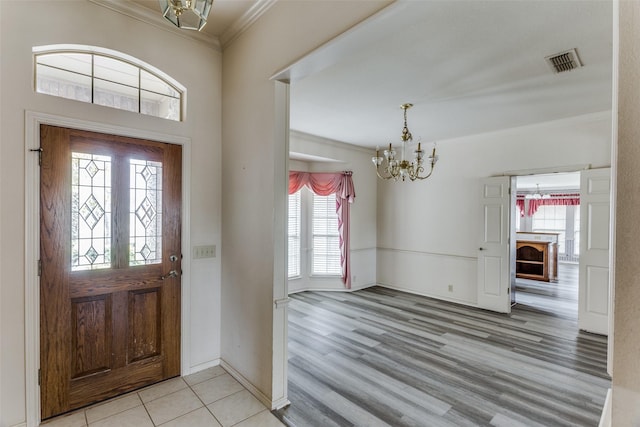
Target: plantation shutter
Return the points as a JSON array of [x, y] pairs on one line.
[[294, 234], [326, 238]]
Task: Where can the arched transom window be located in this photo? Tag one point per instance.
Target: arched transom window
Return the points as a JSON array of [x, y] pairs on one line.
[[109, 78]]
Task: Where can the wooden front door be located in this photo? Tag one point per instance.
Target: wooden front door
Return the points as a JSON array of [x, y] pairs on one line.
[[110, 266]]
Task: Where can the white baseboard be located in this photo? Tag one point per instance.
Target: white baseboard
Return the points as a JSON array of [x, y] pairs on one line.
[[20, 425], [425, 294], [266, 401], [605, 418], [202, 367], [317, 289]]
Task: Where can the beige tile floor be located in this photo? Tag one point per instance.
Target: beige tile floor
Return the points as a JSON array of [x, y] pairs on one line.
[[209, 398]]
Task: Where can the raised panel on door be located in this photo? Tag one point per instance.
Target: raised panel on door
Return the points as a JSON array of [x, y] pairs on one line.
[[597, 290], [145, 322], [597, 235], [492, 272], [91, 335], [494, 217]]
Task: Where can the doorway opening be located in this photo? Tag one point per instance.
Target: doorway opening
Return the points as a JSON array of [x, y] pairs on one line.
[[548, 243]]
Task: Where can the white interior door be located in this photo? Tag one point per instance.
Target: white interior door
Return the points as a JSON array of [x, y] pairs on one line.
[[494, 260], [593, 309]]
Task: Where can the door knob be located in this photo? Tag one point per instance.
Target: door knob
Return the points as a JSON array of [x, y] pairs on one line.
[[171, 274]]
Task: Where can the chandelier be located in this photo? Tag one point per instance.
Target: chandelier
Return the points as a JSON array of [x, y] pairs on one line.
[[537, 194], [186, 14], [389, 167]]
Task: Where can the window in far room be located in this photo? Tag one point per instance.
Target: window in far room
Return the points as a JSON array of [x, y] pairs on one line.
[[551, 219], [313, 223], [294, 234], [326, 239]]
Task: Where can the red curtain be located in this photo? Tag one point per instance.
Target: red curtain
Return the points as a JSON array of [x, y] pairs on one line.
[[520, 204], [324, 184], [571, 199]]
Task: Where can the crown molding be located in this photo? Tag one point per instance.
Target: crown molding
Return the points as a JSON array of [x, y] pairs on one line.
[[245, 21], [147, 16]]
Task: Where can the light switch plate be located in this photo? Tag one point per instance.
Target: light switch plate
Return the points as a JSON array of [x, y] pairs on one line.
[[207, 251]]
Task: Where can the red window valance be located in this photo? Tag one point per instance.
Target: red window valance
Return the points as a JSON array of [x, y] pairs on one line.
[[569, 199]]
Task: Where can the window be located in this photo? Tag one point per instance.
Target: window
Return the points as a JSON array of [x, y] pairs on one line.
[[326, 239], [313, 224], [551, 219], [108, 78], [294, 234]]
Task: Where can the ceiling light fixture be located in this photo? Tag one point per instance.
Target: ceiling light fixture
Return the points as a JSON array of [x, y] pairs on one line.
[[186, 14], [401, 169], [537, 194]]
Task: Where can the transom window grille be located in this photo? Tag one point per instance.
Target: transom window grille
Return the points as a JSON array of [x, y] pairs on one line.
[[326, 239], [90, 211], [110, 79], [145, 214]]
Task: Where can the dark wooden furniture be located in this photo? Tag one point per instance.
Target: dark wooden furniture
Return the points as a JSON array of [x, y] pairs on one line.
[[536, 260]]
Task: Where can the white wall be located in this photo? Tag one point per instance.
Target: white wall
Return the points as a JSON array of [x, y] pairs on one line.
[[428, 231], [194, 65], [255, 180], [363, 209]]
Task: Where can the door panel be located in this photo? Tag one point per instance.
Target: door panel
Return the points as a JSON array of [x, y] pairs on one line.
[[144, 324], [593, 301], [110, 220], [495, 278], [91, 335]]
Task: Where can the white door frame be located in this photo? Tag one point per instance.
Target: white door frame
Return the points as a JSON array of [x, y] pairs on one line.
[[33, 120], [580, 168]]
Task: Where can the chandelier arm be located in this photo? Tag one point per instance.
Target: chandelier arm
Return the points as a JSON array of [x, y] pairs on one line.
[[430, 172], [380, 176]]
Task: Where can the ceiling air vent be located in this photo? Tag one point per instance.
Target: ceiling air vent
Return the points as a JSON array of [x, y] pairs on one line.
[[564, 61]]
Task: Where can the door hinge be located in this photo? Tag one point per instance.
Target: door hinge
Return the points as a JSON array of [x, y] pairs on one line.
[[508, 291], [39, 376], [39, 150], [39, 268]]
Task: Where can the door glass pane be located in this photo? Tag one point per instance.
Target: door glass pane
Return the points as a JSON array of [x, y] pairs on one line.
[[145, 213], [90, 211]]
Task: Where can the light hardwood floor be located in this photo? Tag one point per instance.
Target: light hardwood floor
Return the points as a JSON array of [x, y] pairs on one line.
[[381, 357]]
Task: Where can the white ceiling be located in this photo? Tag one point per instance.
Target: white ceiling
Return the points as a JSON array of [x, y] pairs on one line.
[[468, 67], [552, 181]]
